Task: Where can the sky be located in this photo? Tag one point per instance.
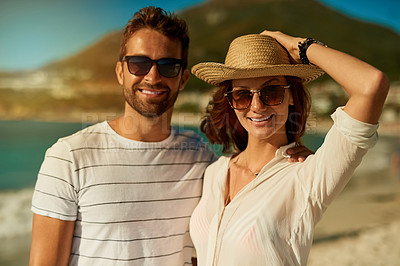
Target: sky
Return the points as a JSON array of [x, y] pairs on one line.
[[382, 12], [36, 32]]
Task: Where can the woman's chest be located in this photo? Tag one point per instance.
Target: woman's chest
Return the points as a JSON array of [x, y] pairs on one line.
[[268, 210]]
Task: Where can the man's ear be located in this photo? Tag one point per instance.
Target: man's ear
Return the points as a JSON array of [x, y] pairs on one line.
[[184, 79], [119, 71]]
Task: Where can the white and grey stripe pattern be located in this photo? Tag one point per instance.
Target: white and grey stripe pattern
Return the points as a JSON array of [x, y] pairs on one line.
[[131, 200]]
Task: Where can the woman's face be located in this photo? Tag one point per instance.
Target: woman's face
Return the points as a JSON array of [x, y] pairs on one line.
[[263, 122]]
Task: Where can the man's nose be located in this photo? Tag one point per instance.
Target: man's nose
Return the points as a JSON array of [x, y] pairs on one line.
[[153, 76]]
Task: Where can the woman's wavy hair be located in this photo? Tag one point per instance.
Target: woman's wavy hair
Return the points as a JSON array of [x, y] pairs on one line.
[[157, 19], [221, 125]]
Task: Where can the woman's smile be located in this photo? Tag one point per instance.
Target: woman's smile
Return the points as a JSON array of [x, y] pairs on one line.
[[261, 119]]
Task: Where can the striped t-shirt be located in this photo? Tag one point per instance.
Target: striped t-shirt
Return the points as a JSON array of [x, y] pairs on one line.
[[131, 201]]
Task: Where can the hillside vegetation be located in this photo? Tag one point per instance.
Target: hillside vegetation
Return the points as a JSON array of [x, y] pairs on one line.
[[215, 24]]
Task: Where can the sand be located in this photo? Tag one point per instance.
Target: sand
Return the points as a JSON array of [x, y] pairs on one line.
[[378, 246], [362, 226]]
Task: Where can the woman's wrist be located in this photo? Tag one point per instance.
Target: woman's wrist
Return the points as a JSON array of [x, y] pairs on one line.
[[304, 45]]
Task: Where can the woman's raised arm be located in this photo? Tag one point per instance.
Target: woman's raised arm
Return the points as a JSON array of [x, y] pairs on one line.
[[366, 85]]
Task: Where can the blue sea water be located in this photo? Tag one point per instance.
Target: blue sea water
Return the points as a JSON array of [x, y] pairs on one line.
[[22, 148]]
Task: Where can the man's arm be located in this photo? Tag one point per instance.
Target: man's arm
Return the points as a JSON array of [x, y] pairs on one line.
[[51, 241]]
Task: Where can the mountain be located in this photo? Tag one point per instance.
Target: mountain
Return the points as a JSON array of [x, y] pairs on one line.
[[212, 27], [91, 70]]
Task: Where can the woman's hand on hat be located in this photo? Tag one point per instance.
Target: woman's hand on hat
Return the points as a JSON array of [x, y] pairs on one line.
[[290, 43]]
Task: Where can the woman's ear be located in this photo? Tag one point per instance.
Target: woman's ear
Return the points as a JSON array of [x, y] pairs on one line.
[[291, 101]]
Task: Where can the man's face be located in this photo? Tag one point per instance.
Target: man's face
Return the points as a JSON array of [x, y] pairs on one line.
[[152, 94]]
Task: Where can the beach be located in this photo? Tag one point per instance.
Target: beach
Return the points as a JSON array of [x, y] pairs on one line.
[[362, 226], [15, 227], [377, 246]]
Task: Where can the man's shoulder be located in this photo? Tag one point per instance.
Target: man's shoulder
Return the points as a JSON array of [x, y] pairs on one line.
[[85, 136]]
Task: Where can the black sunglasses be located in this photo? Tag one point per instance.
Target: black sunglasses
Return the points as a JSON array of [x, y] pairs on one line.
[[270, 95], [141, 65]]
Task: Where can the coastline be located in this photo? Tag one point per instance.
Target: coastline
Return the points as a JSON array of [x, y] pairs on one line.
[[315, 125]]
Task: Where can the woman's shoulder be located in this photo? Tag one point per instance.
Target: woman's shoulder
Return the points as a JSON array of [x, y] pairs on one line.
[[215, 174], [219, 163], [217, 170]]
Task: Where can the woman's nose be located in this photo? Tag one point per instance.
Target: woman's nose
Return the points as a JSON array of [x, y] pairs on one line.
[[256, 103]]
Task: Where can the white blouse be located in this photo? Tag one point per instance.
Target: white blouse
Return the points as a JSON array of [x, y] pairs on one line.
[[271, 220]]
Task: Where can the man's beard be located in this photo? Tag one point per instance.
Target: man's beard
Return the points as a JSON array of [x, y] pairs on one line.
[[151, 108]]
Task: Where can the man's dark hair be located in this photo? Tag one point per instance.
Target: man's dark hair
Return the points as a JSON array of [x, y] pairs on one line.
[[157, 19]]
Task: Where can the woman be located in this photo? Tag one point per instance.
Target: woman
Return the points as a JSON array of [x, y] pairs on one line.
[[256, 208]]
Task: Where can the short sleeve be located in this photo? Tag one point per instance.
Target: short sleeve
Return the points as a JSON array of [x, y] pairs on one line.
[[55, 192]]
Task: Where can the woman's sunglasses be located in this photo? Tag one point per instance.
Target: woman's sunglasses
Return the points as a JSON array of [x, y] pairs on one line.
[[141, 65], [270, 95]]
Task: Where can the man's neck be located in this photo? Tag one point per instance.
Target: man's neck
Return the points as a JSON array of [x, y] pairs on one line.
[[140, 128]]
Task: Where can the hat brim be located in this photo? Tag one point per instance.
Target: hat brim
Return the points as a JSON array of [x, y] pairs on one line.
[[215, 73]]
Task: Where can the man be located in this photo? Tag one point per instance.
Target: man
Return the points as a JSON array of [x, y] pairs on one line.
[[122, 192]]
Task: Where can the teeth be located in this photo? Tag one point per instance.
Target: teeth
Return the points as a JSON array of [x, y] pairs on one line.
[[152, 92], [261, 119], [258, 119]]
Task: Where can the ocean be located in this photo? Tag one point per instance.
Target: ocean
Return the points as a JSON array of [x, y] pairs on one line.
[[22, 148]]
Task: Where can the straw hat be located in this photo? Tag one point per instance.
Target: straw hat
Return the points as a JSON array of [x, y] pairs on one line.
[[252, 56]]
